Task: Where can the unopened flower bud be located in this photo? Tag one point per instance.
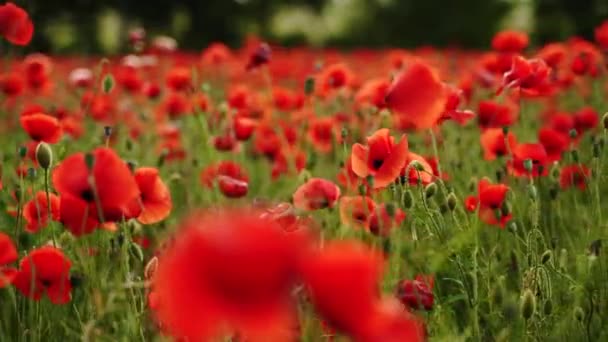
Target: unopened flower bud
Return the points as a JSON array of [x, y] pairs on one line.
[[151, 268], [390, 209], [408, 199], [574, 154], [528, 304], [22, 151], [107, 131], [309, 85], [605, 120], [547, 257], [108, 83], [430, 190], [572, 133], [44, 155], [528, 165], [451, 201], [532, 192]]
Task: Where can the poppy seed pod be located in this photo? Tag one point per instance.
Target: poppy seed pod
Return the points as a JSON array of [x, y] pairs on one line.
[[22, 151], [44, 155], [574, 156], [528, 165], [390, 209], [532, 192], [546, 257], [430, 190], [528, 304], [572, 133], [107, 131]]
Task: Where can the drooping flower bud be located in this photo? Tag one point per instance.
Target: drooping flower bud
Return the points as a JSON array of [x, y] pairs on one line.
[[430, 190], [108, 83], [451, 201]]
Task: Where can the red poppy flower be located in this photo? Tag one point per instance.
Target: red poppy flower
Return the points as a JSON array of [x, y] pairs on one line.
[[107, 190], [216, 54], [373, 93], [424, 175], [491, 114], [471, 203], [334, 76], [261, 56], [380, 158], [574, 175], [322, 134], [225, 142], [554, 142], [562, 122], [15, 24], [535, 154], [176, 105], [357, 211], [553, 54], [418, 96], [284, 99], [510, 41], [45, 270], [601, 35], [530, 76], [229, 272], [343, 280], [316, 193], [179, 79], [417, 293], [42, 127], [225, 168], [8, 254], [495, 144], [286, 160], [36, 211], [585, 119], [155, 197], [383, 220], [491, 199], [11, 84], [232, 187], [452, 110], [243, 128]]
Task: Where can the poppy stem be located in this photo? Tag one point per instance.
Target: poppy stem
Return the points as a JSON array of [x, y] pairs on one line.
[[49, 213], [436, 152]]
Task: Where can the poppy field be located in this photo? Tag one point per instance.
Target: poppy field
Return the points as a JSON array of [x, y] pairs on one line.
[[300, 194]]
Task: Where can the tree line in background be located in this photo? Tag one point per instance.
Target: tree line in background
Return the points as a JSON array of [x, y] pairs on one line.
[[405, 23]]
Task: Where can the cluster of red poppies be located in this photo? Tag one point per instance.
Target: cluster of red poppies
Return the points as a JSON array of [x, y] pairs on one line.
[[247, 272]]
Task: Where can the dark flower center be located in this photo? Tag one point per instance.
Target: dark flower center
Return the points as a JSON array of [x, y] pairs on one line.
[[87, 195], [377, 163]]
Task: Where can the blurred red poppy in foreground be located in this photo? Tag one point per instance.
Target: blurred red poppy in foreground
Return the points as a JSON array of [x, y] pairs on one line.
[[45, 270], [343, 279], [8, 254], [15, 24], [418, 96], [574, 176], [229, 272], [380, 158]]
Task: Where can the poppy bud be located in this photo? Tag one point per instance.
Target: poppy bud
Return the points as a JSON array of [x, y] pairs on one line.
[[89, 160], [161, 159], [512, 227], [555, 171], [31, 173], [574, 155], [472, 184], [499, 175], [528, 165], [579, 314], [451, 201], [430, 190], [563, 259], [76, 280], [370, 181], [548, 307], [505, 209], [498, 294], [547, 257], [132, 165], [108, 83], [554, 191], [390, 209], [362, 190], [44, 155], [596, 150], [505, 130], [532, 192], [528, 304], [309, 85], [129, 145], [416, 165], [408, 199], [344, 132], [22, 151], [107, 131], [572, 133], [605, 120]]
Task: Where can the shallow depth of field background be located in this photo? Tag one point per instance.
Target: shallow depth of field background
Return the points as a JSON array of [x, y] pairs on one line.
[[66, 26]]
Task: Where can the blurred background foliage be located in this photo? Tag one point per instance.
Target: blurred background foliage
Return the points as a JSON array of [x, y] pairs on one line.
[[94, 26]]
